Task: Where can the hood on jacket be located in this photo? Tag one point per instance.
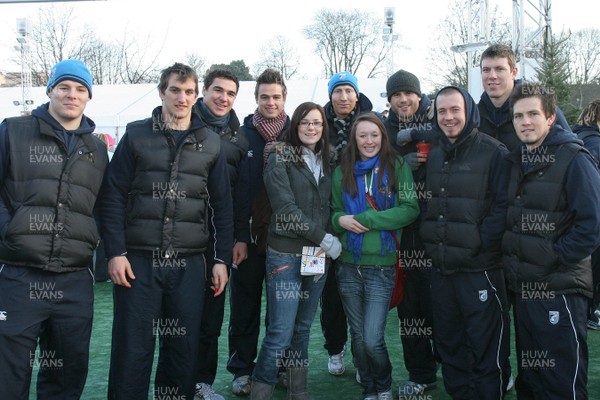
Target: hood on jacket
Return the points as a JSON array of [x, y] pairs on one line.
[[87, 125], [472, 118]]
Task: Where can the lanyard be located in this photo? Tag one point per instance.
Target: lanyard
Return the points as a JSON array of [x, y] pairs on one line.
[[368, 184]]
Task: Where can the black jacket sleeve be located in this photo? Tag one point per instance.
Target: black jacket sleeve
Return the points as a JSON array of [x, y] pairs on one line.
[[221, 204]]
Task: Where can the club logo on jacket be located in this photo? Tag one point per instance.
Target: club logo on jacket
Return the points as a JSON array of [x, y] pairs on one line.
[[2, 315], [483, 295], [553, 317]]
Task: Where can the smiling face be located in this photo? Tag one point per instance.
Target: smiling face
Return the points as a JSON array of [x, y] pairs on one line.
[[67, 103], [531, 124], [270, 100], [343, 100], [178, 99], [368, 139], [220, 96], [498, 78], [405, 104], [451, 114], [310, 129]]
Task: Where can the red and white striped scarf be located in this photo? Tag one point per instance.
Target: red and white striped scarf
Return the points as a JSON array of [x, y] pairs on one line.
[[269, 129]]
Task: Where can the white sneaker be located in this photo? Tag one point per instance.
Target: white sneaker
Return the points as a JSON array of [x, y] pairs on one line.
[[241, 385], [511, 382], [204, 391], [335, 365], [387, 395]]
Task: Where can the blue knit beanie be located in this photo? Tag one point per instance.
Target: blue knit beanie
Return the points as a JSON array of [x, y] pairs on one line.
[[73, 70], [343, 78]]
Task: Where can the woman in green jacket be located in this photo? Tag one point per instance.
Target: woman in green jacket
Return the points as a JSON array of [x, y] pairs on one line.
[[365, 270]]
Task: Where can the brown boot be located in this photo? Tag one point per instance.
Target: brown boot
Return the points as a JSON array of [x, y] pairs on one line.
[[261, 391], [297, 384]]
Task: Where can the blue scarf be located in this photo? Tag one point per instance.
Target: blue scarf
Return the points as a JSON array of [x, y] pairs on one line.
[[356, 205]]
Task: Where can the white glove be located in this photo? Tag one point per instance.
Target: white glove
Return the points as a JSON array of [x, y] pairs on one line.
[[403, 136], [331, 245]]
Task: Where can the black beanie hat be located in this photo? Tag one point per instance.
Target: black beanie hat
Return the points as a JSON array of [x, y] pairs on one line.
[[402, 81]]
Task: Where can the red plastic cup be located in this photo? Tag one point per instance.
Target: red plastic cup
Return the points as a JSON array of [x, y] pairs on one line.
[[423, 148]]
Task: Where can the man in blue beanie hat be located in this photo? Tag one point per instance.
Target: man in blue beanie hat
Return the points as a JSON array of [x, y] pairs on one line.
[[51, 170]]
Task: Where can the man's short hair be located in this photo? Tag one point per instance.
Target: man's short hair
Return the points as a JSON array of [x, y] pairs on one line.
[[223, 74], [500, 50], [183, 72], [526, 90], [270, 76]]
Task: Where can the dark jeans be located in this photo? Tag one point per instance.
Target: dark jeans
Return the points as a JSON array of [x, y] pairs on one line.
[[245, 301], [365, 291], [57, 309], [333, 318], [166, 301]]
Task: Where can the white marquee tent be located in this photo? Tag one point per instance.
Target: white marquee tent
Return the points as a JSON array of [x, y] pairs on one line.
[[113, 106]]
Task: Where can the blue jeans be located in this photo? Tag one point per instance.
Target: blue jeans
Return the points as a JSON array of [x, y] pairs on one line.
[[365, 291], [292, 301]]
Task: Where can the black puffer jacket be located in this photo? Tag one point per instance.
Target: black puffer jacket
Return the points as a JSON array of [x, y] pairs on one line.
[[49, 192]]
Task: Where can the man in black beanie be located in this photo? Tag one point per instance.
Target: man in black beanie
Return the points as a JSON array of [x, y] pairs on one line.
[[411, 120]]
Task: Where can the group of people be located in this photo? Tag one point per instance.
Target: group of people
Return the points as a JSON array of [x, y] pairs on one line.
[[490, 206]]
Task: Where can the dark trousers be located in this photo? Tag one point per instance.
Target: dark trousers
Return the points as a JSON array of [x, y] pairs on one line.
[[100, 264], [472, 333], [552, 345], [57, 309], [165, 301], [245, 301], [416, 319], [210, 330], [333, 318], [594, 302]]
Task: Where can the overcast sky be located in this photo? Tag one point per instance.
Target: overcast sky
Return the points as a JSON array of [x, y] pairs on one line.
[[222, 31]]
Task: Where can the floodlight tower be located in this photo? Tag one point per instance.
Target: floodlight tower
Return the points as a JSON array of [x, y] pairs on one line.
[[388, 33], [531, 31], [23, 31]]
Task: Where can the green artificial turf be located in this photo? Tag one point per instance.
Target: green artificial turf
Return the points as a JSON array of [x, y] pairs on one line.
[[322, 386]]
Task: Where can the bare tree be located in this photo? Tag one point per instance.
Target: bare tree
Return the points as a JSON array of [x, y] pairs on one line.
[[50, 41], [279, 54], [447, 67], [54, 37], [197, 62], [584, 56], [348, 40]]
